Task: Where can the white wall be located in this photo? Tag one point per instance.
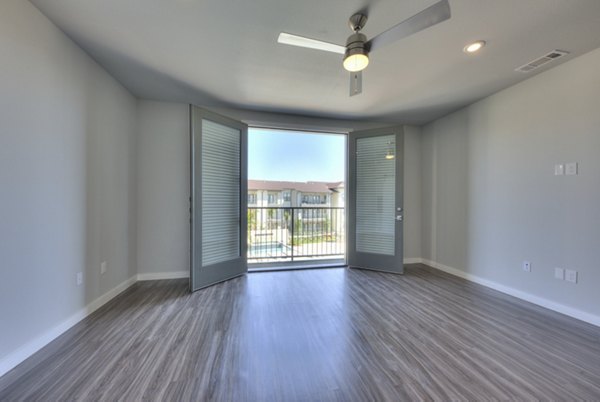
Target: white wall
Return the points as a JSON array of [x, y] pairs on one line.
[[490, 197], [163, 188], [67, 179]]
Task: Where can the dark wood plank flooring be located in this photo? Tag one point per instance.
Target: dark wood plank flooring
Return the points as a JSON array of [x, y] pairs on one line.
[[313, 335]]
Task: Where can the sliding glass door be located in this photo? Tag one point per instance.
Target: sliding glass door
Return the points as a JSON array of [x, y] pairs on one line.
[[218, 198]]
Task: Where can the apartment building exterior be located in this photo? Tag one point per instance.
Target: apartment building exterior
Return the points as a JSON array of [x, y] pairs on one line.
[[274, 194], [310, 211]]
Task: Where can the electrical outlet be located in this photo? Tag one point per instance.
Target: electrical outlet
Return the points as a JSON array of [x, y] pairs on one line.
[[559, 273], [526, 266], [571, 275], [79, 278], [571, 168], [103, 268]]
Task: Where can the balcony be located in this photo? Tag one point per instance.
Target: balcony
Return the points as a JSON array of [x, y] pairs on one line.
[[291, 234]]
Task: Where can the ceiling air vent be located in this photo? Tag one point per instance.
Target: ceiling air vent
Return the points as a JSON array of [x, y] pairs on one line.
[[545, 59]]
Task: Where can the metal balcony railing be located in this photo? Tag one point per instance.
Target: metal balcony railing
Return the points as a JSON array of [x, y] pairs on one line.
[[295, 233]]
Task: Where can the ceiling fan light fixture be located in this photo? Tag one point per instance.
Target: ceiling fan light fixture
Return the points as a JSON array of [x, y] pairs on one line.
[[356, 57], [474, 47], [356, 62]]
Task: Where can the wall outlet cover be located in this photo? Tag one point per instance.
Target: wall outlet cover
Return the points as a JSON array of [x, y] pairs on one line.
[[103, 268], [559, 169], [79, 278], [571, 276], [559, 273], [571, 168]]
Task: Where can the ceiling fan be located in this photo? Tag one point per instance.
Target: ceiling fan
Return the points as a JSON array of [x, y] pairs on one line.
[[357, 49]]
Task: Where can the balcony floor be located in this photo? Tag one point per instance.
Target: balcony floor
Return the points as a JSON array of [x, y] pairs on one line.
[[277, 264]]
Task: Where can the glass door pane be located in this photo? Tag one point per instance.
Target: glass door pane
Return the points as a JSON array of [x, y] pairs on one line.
[[375, 195], [220, 193], [375, 228]]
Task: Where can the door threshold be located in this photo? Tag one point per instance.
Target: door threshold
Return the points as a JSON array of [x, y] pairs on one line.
[[290, 266]]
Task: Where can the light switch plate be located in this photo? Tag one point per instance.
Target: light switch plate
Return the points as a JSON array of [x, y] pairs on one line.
[[571, 169], [103, 268], [571, 275], [526, 266], [559, 273], [559, 169]]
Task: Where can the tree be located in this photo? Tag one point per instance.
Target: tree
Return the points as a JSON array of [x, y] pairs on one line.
[[270, 215], [251, 219]]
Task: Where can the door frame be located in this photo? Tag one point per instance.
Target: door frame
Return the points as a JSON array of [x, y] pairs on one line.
[[230, 268], [354, 258]]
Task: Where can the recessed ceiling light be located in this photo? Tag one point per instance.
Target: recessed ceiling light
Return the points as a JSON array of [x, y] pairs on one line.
[[474, 47]]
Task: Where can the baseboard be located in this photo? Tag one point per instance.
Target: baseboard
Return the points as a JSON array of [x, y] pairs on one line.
[[18, 356], [540, 301], [155, 276]]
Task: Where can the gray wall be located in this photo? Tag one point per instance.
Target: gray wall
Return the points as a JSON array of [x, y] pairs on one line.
[[163, 184], [163, 187], [412, 192], [67, 177], [490, 197]]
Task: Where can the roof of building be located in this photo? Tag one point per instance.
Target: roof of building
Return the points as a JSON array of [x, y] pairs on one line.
[[336, 184], [305, 187]]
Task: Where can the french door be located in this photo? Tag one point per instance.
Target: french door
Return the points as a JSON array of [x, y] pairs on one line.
[[375, 211], [218, 198]]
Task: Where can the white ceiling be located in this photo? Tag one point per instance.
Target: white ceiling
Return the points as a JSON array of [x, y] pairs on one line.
[[224, 53]]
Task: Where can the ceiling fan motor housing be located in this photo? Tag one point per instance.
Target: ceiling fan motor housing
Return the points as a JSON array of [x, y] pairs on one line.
[[356, 45]]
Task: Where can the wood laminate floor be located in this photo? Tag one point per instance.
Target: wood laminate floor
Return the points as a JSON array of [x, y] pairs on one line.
[[335, 334]]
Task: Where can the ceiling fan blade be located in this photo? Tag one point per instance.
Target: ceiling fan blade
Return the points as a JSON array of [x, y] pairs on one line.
[[301, 41], [435, 14], [355, 83]]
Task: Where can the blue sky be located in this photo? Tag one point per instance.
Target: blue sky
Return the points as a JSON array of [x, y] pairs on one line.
[[295, 156]]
